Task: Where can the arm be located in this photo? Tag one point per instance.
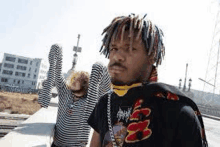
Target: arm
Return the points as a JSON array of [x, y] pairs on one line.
[[91, 100], [92, 96], [59, 80], [105, 85], [95, 142], [45, 94], [96, 121]]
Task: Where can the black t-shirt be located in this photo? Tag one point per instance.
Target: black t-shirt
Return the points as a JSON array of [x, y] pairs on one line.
[[149, 115]]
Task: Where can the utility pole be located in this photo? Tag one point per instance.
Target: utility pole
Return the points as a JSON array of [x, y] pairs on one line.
[[184, 87], [75, 56], [212, 76]]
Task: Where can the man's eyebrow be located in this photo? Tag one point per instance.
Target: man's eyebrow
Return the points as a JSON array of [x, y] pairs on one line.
[[114, 45]]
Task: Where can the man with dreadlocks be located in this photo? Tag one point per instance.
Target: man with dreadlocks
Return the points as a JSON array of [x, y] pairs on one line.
[[137, 111]]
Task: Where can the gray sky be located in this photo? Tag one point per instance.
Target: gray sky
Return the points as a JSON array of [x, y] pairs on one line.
[[29, 28]]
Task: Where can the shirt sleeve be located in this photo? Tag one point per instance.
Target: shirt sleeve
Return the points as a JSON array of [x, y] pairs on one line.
[[92, 96], [96, 116], [45, 94], [59, 81], [189, 129], [99, 84]]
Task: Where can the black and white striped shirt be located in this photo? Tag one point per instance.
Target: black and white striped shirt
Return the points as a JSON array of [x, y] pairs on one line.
[[70, 113], [99, 84]]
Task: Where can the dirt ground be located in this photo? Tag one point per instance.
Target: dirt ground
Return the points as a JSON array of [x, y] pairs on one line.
[[17, 103]]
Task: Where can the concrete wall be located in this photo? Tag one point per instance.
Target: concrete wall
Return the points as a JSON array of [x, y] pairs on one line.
[[36, 131], [204, 98], [208, 103]]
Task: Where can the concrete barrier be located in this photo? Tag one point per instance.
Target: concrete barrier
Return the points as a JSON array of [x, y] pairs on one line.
[[36, 131], [208, 103]]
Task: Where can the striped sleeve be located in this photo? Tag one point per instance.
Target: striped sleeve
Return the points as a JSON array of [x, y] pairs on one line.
[[45, 94], [99, 84], [59, 81], [104, 86]]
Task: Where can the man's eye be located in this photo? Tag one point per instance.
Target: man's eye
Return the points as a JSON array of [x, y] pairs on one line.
[[113, 49], [134, 49]]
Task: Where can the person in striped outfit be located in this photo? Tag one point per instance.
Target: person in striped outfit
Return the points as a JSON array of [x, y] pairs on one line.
[[72, 98]]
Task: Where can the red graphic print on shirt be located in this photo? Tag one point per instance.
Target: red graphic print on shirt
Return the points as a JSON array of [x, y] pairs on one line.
[[138, 128]]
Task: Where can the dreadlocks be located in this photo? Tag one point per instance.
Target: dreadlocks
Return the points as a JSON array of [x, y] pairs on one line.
[[150, 33]]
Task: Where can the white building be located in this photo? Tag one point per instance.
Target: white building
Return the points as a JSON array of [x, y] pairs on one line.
[[23, 72]]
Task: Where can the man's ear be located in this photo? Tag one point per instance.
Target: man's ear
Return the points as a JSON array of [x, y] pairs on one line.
[[151, 58], [153, 55]]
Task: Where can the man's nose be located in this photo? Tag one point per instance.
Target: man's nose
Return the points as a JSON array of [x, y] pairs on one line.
[[119, 56]]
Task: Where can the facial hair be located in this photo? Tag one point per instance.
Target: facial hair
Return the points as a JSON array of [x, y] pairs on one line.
[[120, 83]]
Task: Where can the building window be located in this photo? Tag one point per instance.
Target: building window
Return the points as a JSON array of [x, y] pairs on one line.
[[29, 75], [33, 83], [20, 74], [12, 59], [36, 70], [21, 67], [42, 71], [7, 72], [29, 69], [31, 63], [18, 81], [4, 80], [24, 61], [43, 66], [14, 81], [22, 82], [9, 65], [34, 76]]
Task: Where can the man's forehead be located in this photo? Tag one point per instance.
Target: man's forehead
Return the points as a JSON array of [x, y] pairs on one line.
[[125, 42], [116, 43]]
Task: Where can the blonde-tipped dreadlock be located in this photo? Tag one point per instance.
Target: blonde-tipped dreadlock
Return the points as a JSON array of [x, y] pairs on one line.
[[152, 36]]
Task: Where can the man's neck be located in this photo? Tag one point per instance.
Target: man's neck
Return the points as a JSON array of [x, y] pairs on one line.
[[122, 90]]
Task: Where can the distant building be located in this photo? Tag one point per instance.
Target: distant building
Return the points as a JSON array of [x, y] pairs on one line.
[[22, 71], [0, 66]]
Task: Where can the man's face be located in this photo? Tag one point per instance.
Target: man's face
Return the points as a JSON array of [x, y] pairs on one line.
[[77, 89], [128, 66]]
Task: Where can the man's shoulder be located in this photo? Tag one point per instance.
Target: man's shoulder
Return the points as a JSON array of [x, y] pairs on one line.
[[170, 93], [163, 87]]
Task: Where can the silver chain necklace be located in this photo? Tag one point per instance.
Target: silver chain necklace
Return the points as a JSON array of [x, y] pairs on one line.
[[109, 120]]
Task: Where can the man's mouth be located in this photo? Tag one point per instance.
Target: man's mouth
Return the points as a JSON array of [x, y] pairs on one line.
[[77, 91], [116, 69]]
